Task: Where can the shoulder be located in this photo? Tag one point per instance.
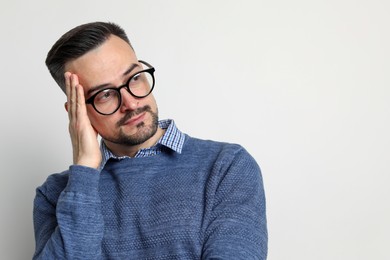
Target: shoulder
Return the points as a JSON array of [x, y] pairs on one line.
[[196, 144], [224, 149], [223, 154]]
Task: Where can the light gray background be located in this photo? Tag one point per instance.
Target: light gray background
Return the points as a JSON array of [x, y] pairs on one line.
[[303, 85]]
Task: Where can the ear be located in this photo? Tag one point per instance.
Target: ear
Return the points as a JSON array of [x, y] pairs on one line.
[[66, 106]]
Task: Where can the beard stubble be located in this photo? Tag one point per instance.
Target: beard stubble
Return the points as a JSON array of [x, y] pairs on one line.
[[144, 131]]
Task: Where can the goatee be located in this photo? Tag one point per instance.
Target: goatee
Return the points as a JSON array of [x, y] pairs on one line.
[[144, 132]]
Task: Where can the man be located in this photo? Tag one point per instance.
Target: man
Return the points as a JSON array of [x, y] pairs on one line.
[[148, 191]]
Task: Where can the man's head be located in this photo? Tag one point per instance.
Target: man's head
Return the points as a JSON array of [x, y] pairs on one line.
[[78, 42], [102, 58]]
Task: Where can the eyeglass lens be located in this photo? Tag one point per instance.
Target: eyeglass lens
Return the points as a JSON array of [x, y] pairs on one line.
[[109, 100]]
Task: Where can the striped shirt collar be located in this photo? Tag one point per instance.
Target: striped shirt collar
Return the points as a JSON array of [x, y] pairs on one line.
[[173, 139]]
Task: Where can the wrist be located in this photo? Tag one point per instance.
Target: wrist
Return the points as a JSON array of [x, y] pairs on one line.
[[95, 164]]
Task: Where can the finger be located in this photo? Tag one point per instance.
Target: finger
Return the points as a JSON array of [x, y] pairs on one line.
[[68, 91], [81, 106], [80, 94], [74, 81], [67, 83]]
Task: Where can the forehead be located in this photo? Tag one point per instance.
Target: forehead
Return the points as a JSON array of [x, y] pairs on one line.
[[104, 64]]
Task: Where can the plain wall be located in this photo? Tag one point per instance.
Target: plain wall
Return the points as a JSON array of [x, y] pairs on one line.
[[303, 85]]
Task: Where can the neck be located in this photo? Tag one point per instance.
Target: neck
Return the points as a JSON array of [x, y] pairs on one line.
[[131, 151]]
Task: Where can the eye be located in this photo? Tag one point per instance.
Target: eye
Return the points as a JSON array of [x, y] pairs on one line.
[[136, 79], [106, 95]]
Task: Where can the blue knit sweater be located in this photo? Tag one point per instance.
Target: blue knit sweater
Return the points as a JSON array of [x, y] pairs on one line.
[[205, 203]]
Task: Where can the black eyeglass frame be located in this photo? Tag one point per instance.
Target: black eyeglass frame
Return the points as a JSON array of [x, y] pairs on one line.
[[149, 70]]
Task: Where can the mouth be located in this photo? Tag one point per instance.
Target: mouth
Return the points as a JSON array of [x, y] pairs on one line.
[[135, 120], [135, 117]]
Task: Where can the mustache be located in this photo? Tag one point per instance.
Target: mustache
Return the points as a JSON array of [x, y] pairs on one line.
[[131, 114]]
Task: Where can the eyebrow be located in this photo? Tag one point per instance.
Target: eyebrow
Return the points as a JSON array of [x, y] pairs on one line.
[[105, 85]]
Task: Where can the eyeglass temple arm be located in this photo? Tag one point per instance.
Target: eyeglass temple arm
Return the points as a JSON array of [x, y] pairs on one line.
[[147, 64]]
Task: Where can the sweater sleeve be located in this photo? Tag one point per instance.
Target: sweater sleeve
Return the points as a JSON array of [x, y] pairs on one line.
[[235, 209], [71, 227]]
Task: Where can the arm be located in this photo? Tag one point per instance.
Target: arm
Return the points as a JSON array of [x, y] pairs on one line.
[[236, 217], [71, 225]]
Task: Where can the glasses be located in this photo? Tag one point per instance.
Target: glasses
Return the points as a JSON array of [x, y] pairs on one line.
[[107, 101]]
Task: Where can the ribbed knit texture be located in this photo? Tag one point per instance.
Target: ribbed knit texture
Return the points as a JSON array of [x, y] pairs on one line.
[[205, 203]]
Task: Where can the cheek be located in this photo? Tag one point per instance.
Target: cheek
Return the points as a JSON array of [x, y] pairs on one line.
[[101, 123], [152, 103]]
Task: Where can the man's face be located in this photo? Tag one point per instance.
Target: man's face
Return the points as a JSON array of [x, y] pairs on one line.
[[111, 65]]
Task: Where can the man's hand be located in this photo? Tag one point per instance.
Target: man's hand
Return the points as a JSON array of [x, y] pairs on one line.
[[85, 145]]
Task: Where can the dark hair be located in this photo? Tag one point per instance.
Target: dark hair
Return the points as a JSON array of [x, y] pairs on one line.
[[76, 43]]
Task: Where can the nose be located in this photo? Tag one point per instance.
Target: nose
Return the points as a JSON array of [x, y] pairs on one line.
[[128, 101]]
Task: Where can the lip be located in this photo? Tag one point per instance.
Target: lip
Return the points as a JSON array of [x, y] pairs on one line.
[[135, 120]]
